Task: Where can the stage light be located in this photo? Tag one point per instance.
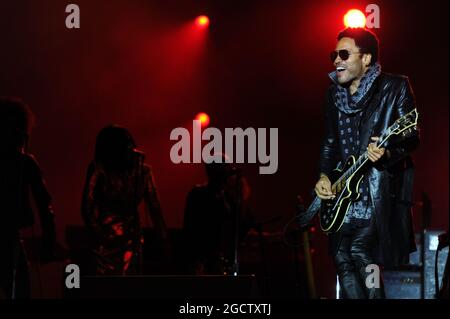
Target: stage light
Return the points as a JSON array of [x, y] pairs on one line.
[[203, 118], [202, 21], [354, 18]]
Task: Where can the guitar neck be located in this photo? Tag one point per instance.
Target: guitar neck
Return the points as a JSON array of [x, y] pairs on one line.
[[359, 163]]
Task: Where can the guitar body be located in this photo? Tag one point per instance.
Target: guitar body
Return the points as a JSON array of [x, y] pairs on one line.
[[332, 212], [346, 179]]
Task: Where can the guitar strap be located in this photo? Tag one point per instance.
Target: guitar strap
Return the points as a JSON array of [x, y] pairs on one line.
[[305, 217]]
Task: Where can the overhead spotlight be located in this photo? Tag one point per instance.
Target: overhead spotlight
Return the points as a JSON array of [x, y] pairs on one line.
[[202, 21], [354, 18], [203, 118]]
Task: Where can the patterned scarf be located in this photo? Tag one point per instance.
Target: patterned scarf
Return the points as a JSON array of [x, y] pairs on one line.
[[350, 104]]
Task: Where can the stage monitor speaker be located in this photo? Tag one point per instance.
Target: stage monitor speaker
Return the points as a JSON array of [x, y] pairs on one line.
[[402, 284], [405, 283], [165, 287]]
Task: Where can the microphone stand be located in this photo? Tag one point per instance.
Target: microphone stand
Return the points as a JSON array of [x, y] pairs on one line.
[[16, 248], [140, 157], [265, 272], [236, 222], [304, 231]]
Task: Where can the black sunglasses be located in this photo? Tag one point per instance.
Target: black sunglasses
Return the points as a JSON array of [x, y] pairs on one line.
[[343, 54]]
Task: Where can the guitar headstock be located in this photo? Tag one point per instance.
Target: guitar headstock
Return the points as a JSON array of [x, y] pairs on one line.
[[405, 122]]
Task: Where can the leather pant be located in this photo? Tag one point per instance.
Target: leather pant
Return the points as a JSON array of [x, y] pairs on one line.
[[353, 256]]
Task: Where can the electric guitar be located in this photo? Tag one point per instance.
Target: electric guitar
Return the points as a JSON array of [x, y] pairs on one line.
[[346, 178]]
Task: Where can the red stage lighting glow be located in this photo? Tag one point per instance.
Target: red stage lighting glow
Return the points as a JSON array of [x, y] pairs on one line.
[[203, 118], [354, 18], [202, 21]]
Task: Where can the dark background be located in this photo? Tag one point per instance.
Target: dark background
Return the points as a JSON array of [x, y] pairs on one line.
[[144, 65]]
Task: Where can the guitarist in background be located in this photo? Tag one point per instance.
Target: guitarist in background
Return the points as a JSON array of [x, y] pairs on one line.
[[361, 103], [210, 218]]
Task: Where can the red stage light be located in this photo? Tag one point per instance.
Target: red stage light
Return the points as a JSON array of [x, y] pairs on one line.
[[354, 18], [202, 21], [203, 118]]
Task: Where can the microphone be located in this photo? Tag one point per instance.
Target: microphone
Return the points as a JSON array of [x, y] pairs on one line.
[[138, 153], [235, 171]]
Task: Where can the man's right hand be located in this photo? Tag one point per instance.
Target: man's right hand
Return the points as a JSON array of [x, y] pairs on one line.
[[323, 188]]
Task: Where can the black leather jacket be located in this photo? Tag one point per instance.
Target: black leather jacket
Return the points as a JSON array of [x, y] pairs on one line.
[[390, 179]]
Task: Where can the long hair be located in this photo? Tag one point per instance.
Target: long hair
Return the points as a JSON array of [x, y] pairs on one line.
[[16, 122], [114, 148]]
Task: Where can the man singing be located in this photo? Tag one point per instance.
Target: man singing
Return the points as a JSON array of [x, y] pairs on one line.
[[361, 103]]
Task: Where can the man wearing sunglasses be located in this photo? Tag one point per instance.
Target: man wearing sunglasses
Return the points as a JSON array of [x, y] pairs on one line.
[[361, 103]]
